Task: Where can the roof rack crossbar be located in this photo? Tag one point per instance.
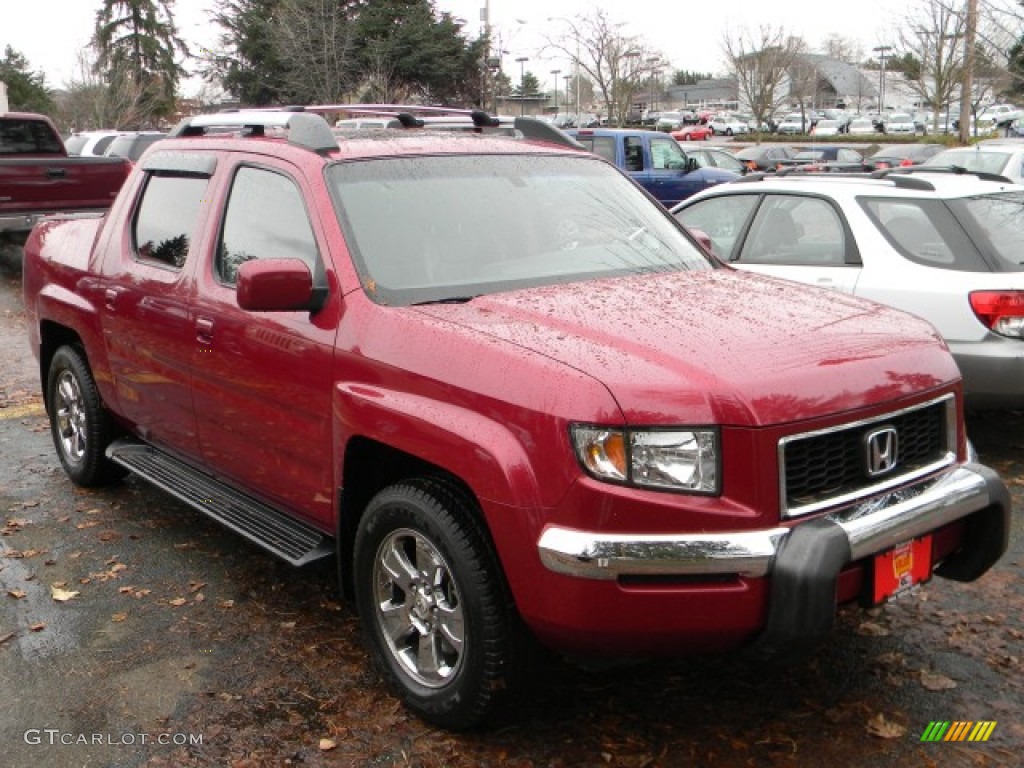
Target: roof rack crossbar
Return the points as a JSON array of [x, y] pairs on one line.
[[304, 129]]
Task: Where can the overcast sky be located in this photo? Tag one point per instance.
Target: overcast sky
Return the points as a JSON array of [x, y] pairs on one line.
[[50, 33]]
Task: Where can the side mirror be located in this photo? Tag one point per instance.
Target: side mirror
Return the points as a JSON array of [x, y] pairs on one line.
[[276, 285], [691, 164]]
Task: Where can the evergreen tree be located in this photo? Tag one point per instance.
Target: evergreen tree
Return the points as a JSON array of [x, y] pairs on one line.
[[26, 90], [137, 45], [247, 62]]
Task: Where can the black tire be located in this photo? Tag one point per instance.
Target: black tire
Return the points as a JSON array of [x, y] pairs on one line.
[[80, 426], [432, 602]]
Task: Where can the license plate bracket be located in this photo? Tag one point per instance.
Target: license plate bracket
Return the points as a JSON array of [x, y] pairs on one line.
[[900, 568]]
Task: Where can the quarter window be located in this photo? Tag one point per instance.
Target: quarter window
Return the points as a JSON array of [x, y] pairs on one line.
[[265, 219], [167, 217]]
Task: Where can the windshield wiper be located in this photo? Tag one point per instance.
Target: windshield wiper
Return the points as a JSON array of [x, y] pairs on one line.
[[445, 300]]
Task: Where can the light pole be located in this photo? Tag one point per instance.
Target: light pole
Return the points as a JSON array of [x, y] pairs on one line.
[[556, 73], [522, 85], [881, 50], [567, 79]]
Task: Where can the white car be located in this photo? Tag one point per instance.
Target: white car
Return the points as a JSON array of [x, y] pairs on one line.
[[1000, 114], [899, 123], [727, 125], [794, 123], [861, 126], [89, 143], [1002, 157], [827, 128], [945, 246]]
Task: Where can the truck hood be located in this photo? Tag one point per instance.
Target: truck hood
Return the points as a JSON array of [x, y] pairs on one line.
[[718, 347]]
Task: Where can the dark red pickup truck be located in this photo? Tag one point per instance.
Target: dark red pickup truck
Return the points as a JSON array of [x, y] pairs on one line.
[[38, 178], [507, 391]]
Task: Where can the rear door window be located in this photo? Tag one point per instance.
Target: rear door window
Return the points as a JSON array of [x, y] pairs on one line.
[[166, 218]]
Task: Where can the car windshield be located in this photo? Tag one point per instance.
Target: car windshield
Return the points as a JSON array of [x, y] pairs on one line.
[[443, 228], [984, 233], [810, 154]]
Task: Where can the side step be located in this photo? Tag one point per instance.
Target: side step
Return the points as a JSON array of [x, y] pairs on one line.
[[284, 536]]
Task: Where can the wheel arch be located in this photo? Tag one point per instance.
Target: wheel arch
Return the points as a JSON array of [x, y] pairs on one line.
[[53, 336]]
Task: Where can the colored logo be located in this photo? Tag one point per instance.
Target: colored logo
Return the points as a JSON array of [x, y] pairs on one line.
[[958, 730]]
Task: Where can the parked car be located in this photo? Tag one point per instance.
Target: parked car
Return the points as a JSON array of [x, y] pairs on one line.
[[657, 162], [89, 143], [861, 126], [946, 247], [727, 125], [506, 394], [1000, 114], [827, 127], [669, 121], [815, 158], [693, 132], [901, 155], [132, 144], [899, 124], [794, 123], [1000, 157], [765, 157], [713, 157]]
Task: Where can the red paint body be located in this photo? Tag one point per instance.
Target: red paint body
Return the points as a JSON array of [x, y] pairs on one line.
[[485, 390]]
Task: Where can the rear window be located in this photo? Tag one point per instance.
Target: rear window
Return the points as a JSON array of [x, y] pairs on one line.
[[603, 146], [28, 137], [963, 235], [973, 160]]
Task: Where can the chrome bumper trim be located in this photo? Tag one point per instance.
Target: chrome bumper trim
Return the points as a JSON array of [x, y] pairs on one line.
[[870, 527]]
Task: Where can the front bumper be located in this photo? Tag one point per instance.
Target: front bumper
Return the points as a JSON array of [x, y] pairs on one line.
[[804, 560]]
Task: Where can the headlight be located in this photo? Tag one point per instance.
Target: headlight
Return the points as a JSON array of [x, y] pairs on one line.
[[671, 459]]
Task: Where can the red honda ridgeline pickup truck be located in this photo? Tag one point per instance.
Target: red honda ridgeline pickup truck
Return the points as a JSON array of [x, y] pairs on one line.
[[507, 391], [38, 178]]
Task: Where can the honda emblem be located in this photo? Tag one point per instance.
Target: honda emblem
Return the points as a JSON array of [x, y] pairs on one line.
[[882, 445]]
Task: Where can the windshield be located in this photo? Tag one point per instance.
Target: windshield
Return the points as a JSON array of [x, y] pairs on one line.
[[443, 228]]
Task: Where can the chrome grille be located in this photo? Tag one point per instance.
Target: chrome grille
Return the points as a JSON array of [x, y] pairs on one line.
[[830, 467]]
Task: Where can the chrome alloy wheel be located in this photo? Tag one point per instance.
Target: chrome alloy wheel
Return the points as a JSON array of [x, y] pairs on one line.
[[72, 425], [418, 608]]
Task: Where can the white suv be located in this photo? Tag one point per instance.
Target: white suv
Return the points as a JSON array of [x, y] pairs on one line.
[[945, 246]]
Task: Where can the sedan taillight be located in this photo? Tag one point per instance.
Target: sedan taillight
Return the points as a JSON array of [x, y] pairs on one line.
[[1002, 312]]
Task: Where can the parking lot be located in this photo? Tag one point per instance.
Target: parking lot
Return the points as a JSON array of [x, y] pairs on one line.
[[134, 632]]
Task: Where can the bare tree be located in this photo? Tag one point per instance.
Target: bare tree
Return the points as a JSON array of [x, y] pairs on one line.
[[934, 33], [91, 102], [761, 63], [316, 38], [843, 49], [616, 63]]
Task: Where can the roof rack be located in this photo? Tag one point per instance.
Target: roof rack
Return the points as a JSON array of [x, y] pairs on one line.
[[957, 170], [304, 129], [893, 174], [307, 127]]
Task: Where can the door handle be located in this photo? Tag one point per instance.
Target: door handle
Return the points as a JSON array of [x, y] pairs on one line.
[[56, 173], [110, 298], [204, 330]]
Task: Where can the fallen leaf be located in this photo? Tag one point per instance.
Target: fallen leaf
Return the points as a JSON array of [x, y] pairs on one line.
[[885, 729], [88, 524], [38, 627], [17, 594], [226, 604], [178, 602], [871, 629], [326, 745], [199, 597], [5, 638], [117, 567], [933, 681], [195, 586], [117, 618], [62, 595]]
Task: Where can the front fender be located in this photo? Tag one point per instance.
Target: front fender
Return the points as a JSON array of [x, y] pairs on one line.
[[481, 451]]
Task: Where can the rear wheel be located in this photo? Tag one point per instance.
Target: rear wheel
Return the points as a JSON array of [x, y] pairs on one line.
[[80, 426], [431, 598]]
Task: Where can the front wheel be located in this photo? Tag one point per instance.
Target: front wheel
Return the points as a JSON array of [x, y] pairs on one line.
[[431, 598], [80, 426]]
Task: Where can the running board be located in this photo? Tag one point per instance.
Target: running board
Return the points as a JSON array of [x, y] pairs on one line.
[[284, 536]]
